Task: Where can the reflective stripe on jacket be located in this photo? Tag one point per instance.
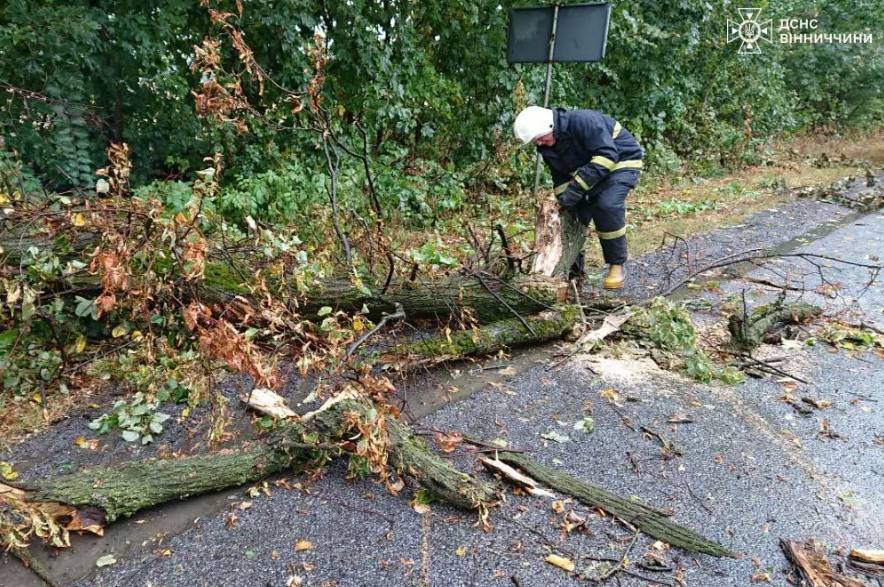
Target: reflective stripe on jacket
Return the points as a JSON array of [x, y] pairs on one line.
[[589, 146]]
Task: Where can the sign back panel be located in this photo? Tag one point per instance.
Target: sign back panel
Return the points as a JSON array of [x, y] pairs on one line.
[[581, 33]]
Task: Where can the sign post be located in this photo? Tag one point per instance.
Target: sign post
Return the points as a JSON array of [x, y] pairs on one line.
[[549, 62], [546, 34]]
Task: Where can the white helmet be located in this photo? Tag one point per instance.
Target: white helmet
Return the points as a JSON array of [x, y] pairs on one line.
[[533, 122]]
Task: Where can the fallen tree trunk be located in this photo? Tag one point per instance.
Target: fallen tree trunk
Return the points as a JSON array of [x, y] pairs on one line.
[[482, 340], [125, 489], [120, 491], [649, 520], [14, 245], [485, 297]]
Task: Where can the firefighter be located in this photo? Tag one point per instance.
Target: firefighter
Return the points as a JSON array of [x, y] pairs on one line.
[[594, 163]]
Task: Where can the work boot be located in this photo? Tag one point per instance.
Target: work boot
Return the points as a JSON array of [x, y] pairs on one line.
[[615, 278]]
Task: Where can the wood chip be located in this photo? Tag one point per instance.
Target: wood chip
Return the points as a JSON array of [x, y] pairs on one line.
[[268, 402], [525, 482], [868, 556], [561, 562]]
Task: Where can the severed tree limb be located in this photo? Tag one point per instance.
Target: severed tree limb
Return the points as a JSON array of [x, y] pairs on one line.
[[559, 239], [489, 298], [441, 297], [409, 454], [748, 330], [649, 520], [122, 490], [813, 566]]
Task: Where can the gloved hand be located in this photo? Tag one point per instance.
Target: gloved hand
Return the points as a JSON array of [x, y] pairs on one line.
[[572, 196]]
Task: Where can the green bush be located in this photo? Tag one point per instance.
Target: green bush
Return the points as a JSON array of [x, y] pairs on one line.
[[427, 82]]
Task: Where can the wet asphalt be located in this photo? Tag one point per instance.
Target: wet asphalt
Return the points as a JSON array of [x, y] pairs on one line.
[[752, 469]]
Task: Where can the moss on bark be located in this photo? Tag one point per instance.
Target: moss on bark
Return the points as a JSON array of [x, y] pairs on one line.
[[749, 332], [125, 489], [488, 338]]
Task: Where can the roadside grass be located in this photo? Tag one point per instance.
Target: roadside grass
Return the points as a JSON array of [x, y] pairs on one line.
[[683, 205]]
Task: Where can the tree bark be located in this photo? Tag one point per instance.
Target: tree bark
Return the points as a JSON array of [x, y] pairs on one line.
[[122, 490], [485, 298], [482, 340]]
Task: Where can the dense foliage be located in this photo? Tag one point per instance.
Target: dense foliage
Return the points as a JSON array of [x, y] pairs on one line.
[[423, 87]]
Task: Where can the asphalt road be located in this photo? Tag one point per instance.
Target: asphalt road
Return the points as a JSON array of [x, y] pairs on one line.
[[752, 470]]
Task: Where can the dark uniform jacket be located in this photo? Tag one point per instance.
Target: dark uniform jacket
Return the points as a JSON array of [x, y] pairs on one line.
[[589, 146]]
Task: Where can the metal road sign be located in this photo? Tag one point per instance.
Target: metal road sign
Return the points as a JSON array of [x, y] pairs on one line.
[[576, 32]]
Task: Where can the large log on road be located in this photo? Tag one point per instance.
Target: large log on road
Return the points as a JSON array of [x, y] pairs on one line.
[[125, 489]]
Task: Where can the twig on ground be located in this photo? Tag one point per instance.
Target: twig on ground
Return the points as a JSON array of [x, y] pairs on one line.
[[397, 315], [766, 365], [579, 304], [698, 499], [621, 565], [767, 282], [758, 254], [668, 448]]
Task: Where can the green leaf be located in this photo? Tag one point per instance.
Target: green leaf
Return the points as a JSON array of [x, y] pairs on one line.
[[324, 311], [423, 497], [7, 337], [7, 472], [556, 436], [586, 425], [130, 435]]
